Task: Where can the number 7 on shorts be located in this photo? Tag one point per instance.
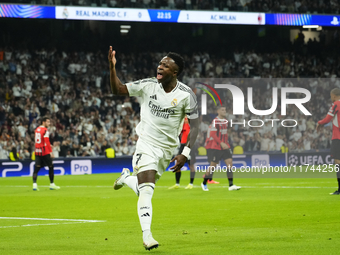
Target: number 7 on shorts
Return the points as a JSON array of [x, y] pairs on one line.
[[139, 155]]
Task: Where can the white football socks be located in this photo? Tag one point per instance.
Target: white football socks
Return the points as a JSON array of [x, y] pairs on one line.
[[144, 207], [132, 182]]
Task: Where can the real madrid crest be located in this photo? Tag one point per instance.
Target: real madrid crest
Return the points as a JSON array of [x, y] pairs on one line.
[[65, 13], [174, 102], [135, 170]]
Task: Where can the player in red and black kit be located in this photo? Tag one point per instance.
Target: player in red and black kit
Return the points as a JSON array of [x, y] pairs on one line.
[[43, 153], [334, 114], [191, 162], [218, 148]]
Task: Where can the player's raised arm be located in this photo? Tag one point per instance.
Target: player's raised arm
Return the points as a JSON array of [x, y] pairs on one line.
[[117, 87]]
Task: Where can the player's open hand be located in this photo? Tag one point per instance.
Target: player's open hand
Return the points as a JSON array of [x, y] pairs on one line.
[[180, 161], [112, 57]]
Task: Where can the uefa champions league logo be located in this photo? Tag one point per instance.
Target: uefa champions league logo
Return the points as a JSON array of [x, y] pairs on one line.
[[293, 160]]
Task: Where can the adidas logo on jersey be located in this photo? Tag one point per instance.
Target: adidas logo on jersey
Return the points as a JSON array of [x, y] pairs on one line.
[[154, 97], [146, 215]]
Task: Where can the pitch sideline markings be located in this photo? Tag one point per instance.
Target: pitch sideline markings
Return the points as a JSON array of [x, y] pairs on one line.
[[48, 224], [259, 185], [23, 218], [68, 221]]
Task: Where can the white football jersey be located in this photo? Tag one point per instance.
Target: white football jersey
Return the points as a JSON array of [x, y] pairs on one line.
[[162, 114]]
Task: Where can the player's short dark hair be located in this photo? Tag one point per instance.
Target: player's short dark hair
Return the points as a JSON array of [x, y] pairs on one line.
[[178, 60], [221, 106], [44, 119], [335, 92]]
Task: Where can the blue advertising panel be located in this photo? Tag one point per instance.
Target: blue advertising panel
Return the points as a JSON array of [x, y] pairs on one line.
[[277, 159], [101, 165], [285, 19], [27, 11], [67, 166]]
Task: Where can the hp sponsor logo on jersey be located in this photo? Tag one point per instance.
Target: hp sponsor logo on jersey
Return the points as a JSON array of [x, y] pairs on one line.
[[79, 167], [260, 160]]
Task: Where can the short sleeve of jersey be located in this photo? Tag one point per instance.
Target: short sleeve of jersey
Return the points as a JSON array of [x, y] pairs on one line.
[[137, 88], [334, 109], [191, 109]]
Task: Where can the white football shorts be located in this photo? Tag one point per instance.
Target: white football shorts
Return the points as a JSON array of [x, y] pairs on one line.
[[150, 157]]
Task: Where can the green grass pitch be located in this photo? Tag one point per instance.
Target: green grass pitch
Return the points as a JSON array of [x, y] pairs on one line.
[[267, 216]]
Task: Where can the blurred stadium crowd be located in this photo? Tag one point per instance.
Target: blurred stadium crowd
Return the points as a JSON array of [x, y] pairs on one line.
[[277, 6], [73, 89]]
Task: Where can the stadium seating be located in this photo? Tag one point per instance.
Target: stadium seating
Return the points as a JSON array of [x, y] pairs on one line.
[[87, 120]]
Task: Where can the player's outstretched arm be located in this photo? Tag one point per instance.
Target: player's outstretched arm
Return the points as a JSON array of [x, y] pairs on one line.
[[117, 87], [324, 121]]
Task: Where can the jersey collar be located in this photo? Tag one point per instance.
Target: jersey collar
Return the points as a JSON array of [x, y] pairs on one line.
[[175, 87], [160, 84]]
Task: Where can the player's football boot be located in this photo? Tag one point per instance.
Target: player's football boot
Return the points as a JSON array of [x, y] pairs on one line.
[[234, 187], [204, 187], [213, 182], [190, 186], [149, 243], [35, 187], [176, 186], [337, 192], [54, 187], [119, 183]]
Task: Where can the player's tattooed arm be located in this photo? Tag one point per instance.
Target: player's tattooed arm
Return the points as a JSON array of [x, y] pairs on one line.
[[117, 87]]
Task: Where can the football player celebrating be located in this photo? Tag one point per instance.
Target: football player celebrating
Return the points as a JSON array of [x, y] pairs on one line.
[[164, 103]]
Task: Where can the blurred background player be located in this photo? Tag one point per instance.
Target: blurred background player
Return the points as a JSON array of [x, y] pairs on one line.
[[218, 148], [334, 114], [191, 162], [43, 153], [165, 102]]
